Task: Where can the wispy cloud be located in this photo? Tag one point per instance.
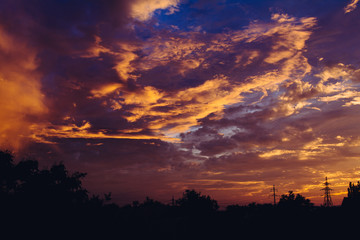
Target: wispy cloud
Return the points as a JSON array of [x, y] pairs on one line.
[[351, 6], [176, 111]]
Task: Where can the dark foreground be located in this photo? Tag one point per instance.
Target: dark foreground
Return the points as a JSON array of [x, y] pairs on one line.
[[154, 222], [52, 204]]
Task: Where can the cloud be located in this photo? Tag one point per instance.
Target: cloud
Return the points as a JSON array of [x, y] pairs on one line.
[[144, 9], [343, 88], [226, 105], [123, 66], [292, 41], [161, 50], [44, 133], [57, 61], [176, 112], [173, 112], [351, 6], [21, 99]]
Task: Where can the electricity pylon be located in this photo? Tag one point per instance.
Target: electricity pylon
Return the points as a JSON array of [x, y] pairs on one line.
[[327, 196]]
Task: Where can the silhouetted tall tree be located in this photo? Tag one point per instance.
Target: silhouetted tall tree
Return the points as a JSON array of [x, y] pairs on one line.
[[353, 198], [194, 202]]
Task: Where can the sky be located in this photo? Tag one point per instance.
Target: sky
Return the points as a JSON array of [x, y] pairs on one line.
[[152, 97]]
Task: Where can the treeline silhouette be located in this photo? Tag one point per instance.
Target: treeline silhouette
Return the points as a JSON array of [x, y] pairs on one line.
[[52, 203]]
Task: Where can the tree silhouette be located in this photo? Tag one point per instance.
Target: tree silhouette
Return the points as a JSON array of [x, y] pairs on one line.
[[25, 184], [54, 200], [194, 202], [7, 173], [51, 198], [353, 197], [294, 201]]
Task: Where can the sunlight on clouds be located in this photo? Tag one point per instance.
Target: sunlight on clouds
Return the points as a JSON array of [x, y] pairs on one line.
[[190, 64], [342, 95], [161, 50], [354, 101], [339, 71], [96, 49], [105, 90], [310, 150], [21, 99], [295, 98], [343, 89], [124, 66], [318, 145], [124, 55], [44, 133], [143, 10], [276, 152], [247, 57], [294, 68], [184, 108], [351, 6], [144, 97], [292, 36], [191, 104]]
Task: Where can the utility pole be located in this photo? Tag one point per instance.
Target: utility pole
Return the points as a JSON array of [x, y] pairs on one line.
[[327, 196], [172, 201], [273, 190]]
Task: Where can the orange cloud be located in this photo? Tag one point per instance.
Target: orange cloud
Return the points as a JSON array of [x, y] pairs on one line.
[[96, 49], [351, 6], [42, 133], [160, 51], [143, 10], [105, 89], [21, 100], [344, 89], [124, 54], [186, 107]]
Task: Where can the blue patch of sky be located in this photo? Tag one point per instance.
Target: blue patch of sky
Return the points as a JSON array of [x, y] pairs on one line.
[[216, 16], [211, 16]]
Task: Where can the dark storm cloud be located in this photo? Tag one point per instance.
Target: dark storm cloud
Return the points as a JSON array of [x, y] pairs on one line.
[[62, 27]]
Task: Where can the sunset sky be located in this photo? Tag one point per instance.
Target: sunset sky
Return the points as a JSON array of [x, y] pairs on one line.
[[152, 97]]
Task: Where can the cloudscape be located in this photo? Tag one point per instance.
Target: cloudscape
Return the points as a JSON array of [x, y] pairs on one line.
[[152, 97]]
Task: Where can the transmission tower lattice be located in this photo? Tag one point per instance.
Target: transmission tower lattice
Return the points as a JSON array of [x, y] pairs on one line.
[[327, 196]]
